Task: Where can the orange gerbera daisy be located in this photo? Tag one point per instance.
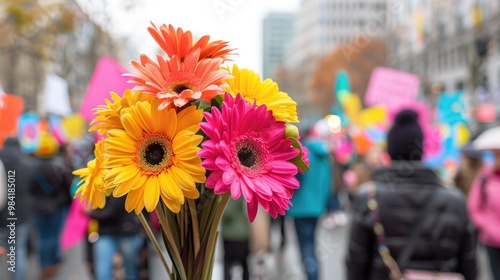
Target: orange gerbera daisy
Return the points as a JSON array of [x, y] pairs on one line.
[[176, 42], [177, 81]]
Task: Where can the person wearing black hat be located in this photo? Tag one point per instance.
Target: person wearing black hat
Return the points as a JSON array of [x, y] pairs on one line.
[[405, 138], [405, 219]]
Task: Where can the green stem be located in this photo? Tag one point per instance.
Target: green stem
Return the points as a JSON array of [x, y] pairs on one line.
[[155, 242], [180, 221], [194, 223], [173, 223], [212, 259], [206, 216], [176, 258], [214, 228]]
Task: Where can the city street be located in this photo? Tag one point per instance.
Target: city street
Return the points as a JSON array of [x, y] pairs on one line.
[[284, 265], [279, 265], [133, 107]]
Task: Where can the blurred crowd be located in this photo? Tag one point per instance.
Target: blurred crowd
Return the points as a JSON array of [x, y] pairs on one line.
[[403, 218]]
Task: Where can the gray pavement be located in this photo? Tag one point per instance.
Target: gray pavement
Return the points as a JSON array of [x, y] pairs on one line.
[[72, 268], [280, 264]]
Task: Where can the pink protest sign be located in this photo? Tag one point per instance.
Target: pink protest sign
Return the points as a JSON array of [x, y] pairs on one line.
[[107, 77], [391, 88], [75, 228]]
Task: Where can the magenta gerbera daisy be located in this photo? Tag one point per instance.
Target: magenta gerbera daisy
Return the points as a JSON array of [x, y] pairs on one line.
[[248, 155]]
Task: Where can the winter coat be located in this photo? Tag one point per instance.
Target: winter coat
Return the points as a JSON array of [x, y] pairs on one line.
[[234, 224], [114, 220], [484, 207], [51, 185], [310, 200], [19, 169], [446, 242]]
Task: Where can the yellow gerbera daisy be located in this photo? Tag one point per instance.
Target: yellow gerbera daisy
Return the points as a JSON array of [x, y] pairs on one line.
[[91, 187], [109, 114], [154, 156], [249, 85]]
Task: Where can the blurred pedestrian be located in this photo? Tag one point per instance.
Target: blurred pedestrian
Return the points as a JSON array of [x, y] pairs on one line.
[[3, 186], [260, 245], [156, 268], [357, 174], [361, 171], [484, 210], [119, 232], [470, 165], [279, 224], [310, 201], [50, 189], [17, 176], [406, 220], [235, 231], [80, 151], [335, 215]]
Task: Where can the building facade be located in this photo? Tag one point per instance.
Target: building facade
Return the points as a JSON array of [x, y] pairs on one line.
[[45, 47], [320, 26], [453, 42], [277, 33], [453, 45]]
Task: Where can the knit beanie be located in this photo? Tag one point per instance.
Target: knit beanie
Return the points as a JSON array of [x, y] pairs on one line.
[[405, 138]]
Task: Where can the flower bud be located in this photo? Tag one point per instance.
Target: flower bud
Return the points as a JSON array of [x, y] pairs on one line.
[[291, 131]]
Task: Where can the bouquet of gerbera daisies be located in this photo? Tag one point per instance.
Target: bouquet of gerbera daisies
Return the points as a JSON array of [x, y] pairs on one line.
[[187, 137]]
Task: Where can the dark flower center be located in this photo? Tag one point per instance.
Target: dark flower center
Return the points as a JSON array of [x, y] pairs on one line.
[[179, 88], [246, 156], [154, 153]]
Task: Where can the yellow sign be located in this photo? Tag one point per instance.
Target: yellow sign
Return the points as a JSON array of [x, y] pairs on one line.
[[74, 126]]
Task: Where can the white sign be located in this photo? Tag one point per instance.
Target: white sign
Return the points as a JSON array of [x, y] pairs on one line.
[[2, 91], [56, 96]]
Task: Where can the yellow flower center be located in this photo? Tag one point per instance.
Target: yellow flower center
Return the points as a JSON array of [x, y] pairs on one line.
[[154, 153]]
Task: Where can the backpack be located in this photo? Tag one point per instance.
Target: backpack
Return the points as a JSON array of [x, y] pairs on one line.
[[51, 188]]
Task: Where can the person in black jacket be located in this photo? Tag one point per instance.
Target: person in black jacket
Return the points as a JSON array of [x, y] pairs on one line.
[[15, 222], [50, 189], [402, 192], [118, 231]]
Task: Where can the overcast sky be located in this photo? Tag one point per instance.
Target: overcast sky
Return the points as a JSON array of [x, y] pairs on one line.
[[236, 21]]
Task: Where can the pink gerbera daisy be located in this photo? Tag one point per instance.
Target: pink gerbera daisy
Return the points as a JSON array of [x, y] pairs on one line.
[[249, 155], [177, 81]]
